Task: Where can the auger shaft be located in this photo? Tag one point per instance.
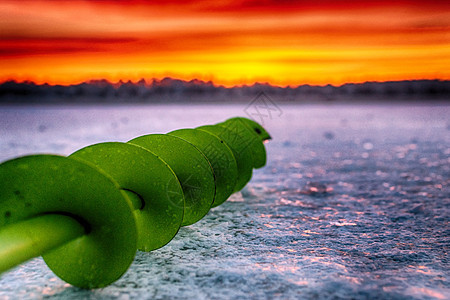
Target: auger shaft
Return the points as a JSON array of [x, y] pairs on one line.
[[86, 214], [20, 242], [31, 238]]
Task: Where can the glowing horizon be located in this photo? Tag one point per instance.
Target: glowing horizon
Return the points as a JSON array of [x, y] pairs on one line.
[[229, 43]]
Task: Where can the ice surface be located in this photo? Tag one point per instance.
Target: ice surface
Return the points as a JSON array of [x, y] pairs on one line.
[[353, 204]]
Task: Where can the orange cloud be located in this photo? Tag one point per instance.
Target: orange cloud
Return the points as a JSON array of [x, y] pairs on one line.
[[230, 42]]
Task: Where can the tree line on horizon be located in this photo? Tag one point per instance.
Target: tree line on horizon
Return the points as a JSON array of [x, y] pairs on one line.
[[175, 90]]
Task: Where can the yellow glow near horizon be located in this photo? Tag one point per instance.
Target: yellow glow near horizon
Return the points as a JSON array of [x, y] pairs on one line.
[[66, 42]]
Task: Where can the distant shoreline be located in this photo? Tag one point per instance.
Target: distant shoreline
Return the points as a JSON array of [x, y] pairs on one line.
[[170, 90]]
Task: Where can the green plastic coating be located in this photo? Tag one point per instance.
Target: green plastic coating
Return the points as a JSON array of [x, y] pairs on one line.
[[192, 169], [220, 157], [88, 213], [30, 238], [241, 152], [35, 185], [253, 135], [141, 173]]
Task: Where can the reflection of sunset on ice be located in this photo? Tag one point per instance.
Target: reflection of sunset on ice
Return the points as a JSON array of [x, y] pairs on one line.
[[320, 221]]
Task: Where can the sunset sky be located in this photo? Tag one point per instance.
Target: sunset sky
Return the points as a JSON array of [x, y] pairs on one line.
[[229, 42]]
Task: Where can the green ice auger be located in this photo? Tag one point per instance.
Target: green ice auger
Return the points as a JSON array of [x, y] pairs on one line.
[[87, 213]]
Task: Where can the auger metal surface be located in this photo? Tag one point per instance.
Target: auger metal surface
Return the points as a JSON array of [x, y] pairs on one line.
[[88, 213]]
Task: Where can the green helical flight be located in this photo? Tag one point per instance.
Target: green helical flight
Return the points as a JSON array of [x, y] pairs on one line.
[[88, 213]]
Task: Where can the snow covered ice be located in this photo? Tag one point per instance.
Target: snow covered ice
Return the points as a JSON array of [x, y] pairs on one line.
[[353, 204]]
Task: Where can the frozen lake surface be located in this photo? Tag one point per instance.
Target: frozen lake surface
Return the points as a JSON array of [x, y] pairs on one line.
[[353, 204]]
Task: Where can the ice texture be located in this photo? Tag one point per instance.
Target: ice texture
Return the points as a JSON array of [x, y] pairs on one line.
[[353, 204]]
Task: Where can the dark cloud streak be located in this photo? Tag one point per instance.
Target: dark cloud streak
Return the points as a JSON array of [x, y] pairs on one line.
[[23, 46]]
